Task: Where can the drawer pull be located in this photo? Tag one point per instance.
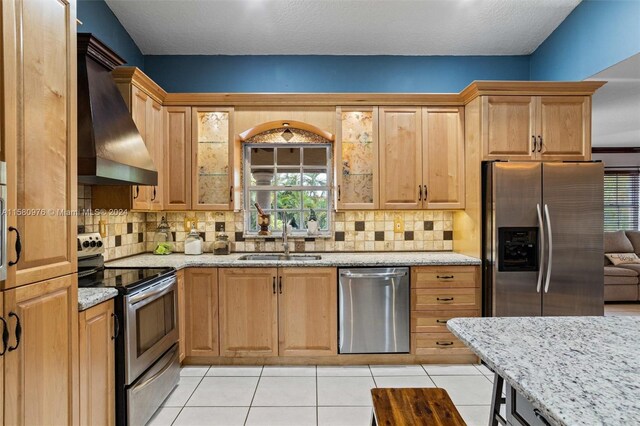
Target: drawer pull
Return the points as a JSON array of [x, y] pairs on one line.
[[439, 321], [444, 277], [444, 343], [444, 299]]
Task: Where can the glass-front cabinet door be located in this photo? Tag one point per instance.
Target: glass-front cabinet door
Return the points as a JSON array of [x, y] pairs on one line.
[[357, 158], [212, 158]]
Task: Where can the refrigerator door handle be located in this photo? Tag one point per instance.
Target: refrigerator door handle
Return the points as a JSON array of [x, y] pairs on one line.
[[548, 278], [539, 286]]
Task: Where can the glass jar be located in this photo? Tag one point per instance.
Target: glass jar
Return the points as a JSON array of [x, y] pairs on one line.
[[163, 239], [193, 242], [221, 245]]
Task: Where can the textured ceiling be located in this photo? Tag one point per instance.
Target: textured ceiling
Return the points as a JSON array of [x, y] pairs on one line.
[[616, 106], [340, 27]]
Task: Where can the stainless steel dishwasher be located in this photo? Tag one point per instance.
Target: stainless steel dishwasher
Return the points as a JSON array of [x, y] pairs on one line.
[[374, 310]]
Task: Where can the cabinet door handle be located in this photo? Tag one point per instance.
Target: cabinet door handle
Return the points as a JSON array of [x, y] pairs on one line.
[[18, 332], [444, 343], [154, 194], [444, 299], [18, 246], [5, 336], [441, 321], [137, 192], [274, 285], [419, 192], [425, 193], [280, 284], [339, 194], [231, 194], [533, 139], [539, 143], [116, 326], [444, 277]]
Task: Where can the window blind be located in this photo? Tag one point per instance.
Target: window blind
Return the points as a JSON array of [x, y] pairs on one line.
[[621, 199]]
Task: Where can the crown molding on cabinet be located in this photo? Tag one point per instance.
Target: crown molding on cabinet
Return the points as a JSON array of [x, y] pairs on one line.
[[135, 76]]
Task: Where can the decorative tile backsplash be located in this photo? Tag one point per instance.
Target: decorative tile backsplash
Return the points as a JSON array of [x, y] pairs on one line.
[[352, 231], [125, 232]]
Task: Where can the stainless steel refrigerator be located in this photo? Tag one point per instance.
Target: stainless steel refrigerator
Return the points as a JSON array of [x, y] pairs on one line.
[[543, 238]]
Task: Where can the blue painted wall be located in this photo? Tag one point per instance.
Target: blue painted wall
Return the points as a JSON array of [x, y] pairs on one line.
[[595, 36], [434, 74], [98, 19]]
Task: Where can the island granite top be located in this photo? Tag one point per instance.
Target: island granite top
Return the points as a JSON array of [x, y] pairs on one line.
[[576, 370], [180, 260]]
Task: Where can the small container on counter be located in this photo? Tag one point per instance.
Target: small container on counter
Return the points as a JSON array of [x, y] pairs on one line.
[[222, 245], [163, 239], [193, 242]]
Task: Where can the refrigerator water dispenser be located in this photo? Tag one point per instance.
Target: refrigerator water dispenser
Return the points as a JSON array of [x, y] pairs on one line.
[[518, 249]]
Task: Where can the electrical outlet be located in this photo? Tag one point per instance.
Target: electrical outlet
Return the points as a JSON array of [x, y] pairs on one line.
[[102, 228], [188, 221], [398, 224]]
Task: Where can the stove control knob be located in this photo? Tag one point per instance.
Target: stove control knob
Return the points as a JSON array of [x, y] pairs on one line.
[[85, 244], [92, 244], [99, 244]]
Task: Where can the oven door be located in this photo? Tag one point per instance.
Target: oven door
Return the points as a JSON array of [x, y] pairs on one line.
[[151, 326]]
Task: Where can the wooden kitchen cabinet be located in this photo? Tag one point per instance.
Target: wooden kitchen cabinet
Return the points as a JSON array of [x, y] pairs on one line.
[[307, 311], [39, 125], [41, 374], [248, 311], [422, 158], [356, 154], [212, 158], [182, 318], [177, 162], [96, 341], [536, 127], [201, 312]]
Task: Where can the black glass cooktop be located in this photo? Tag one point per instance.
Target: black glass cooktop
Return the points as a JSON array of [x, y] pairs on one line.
[[124, 279]]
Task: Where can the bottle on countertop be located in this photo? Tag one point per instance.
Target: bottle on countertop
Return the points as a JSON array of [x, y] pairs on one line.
[[163, 238], [193, 242], [221, 245]]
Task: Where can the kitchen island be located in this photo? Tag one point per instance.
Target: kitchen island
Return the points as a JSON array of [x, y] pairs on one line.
[[571, 370]]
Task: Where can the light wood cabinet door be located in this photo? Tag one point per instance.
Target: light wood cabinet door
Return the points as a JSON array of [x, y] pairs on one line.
[[400, 158], [564, 127], [41, 374], [155, 133], [177, 179], [182, 316], [201, 312], [139, 100], [248, 312], [307, 311], [508, 127], [356, 152], [212, 158], [39, 62], [443, 157], [97, 367]]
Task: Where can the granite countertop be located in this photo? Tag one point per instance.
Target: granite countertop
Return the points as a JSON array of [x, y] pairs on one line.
[[576, 370], [179, 260], [89, 297]]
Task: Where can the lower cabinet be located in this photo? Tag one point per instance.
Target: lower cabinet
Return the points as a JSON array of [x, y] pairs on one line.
[[200, 312], [41, 372], [182, 327], [96, 337]]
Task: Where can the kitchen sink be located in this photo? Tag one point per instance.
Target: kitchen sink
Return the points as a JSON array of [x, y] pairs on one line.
[[280, 257]]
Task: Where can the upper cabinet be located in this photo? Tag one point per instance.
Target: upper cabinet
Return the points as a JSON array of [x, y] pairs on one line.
[[536, 127], [421, 158], [39, 132], [212, 158], [177, 161], [357, 158]]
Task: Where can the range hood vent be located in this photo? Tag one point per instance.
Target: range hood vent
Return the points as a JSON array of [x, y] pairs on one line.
[[110, 148]]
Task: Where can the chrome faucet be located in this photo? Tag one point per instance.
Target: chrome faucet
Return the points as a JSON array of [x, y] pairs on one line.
[[285, 240]]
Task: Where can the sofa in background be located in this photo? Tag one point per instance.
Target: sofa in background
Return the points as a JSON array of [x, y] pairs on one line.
[[621, 282]]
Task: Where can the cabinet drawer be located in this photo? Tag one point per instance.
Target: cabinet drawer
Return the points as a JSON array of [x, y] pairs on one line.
[[444, 299], [444, 277], [436, 322], [435, 343]]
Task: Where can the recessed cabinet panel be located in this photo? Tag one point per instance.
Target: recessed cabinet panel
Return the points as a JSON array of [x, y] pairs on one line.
[[564, 127], [201, 311], [177, 179], [508, 126]]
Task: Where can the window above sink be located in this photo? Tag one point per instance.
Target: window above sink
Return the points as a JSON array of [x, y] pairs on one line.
[[288, 180]]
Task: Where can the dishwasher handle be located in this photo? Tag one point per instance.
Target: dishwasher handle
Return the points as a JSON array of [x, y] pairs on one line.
[[374, 275]]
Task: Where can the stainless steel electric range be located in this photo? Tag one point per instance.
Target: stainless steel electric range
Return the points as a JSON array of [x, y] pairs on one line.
[[147, 357]]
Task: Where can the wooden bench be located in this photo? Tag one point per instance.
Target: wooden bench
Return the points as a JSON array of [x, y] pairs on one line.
[[414, 407]]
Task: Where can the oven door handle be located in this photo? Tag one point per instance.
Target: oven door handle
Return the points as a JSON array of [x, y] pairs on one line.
[[154, 291], [159, 373]]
